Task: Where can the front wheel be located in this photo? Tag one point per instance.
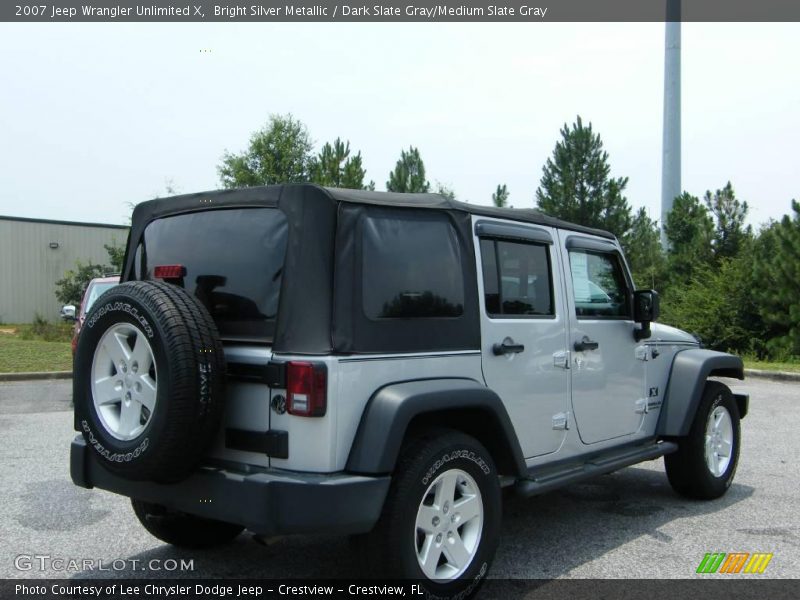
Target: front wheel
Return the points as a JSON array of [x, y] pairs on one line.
[[441, 520], [706, 460]]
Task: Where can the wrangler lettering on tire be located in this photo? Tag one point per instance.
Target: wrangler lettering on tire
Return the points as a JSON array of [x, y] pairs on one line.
[[441, 520], [149, 377]]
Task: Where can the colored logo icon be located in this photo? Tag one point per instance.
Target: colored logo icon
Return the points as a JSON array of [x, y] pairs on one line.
[[735, 562]]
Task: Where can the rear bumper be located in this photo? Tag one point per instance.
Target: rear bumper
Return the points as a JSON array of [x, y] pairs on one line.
[[279, 502]]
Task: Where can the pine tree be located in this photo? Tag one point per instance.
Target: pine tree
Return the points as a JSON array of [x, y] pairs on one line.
[[643, 251], [409, 174], [500, 196], [327, 167], [334, 167], [354, 173], [690, 231], [576, 185], [729, 213], [777, 283]]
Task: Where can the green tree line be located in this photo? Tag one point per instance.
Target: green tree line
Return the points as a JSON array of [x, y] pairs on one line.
[[283, 152], [736, 288]]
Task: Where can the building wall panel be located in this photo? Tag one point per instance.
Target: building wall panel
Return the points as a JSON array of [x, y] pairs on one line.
[[30, 267]]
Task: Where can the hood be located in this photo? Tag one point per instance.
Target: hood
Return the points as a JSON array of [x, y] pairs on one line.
[[665, 333]]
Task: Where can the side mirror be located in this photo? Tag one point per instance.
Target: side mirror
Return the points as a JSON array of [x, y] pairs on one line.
[[646, 309], [68, 312]]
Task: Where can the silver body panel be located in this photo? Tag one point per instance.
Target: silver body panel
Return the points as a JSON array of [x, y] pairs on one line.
[[562, 403]]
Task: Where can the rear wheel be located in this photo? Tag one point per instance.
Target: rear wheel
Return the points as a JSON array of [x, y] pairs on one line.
[[441, 520], [706, 460], [181, 529]]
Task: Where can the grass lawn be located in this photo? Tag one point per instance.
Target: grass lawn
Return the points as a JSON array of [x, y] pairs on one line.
[[772, 366], [23, 356]]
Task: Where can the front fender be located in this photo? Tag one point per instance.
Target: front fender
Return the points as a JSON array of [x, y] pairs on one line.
[[392, 408], [690, 370]]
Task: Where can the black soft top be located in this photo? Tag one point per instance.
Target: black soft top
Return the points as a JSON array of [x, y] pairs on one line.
[[270, 195], [319, 311]]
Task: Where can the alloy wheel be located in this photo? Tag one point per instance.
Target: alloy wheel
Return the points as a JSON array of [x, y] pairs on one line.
[[124, 381]]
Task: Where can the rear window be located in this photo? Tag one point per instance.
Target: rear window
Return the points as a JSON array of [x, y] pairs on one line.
[[234, 264]]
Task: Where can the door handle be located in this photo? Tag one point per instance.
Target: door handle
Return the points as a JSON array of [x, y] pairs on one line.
[[586, 344], [507, 347]]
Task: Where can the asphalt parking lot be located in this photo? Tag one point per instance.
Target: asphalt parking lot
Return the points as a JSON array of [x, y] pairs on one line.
[[628, 524]]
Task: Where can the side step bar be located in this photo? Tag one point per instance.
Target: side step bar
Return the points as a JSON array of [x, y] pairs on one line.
[[545, 481]]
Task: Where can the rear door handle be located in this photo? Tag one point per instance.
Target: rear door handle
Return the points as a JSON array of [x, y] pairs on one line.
[[586, 344], [507, 347]]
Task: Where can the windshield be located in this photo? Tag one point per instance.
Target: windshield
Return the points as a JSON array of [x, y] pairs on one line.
[[95, 291]]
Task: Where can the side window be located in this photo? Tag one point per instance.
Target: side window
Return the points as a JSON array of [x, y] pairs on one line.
[[517, 278], [598, 284], [411, 268]]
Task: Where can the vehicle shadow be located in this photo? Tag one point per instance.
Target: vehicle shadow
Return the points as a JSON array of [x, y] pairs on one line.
[[549, 536], [543, 537]]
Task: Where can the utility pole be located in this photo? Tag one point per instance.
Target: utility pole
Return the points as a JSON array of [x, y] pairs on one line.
[[671, 158]]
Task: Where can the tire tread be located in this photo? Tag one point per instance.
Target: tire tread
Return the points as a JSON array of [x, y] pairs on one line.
[[686, 468], [191, 344]]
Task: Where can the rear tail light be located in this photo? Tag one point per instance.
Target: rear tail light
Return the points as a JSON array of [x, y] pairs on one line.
[[169, 271], [306, 389]]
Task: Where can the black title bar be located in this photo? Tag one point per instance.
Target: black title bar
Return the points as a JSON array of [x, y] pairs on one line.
[[402, 11]]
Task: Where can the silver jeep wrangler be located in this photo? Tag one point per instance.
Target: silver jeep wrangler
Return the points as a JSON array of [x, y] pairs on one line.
[[291, 359]]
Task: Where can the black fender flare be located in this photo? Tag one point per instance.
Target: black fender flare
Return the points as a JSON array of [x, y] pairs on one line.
[[391, 409], [687, 379]]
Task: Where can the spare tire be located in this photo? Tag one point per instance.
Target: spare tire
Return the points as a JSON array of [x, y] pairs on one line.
[[148, 381]]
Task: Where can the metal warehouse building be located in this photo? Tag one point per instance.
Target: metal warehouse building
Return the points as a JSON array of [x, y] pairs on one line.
[[35, 253]]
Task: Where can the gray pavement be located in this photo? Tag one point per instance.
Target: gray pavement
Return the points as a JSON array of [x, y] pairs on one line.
[[628, 524]]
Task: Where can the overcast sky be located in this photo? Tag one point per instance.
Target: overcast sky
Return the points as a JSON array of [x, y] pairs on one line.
[[96, 116]]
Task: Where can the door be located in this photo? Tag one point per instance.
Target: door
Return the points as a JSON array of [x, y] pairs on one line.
[[523, 331], [608, 369]]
